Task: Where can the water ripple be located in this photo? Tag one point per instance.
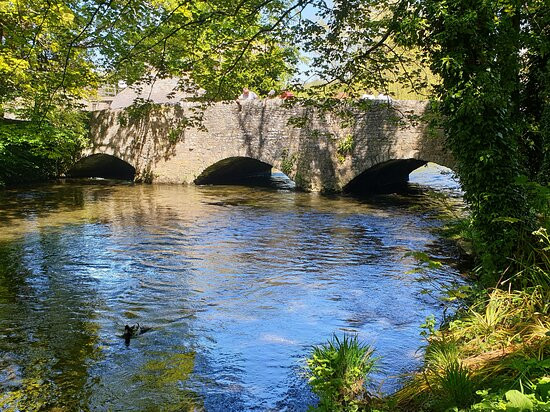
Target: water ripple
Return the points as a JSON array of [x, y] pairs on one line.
[[236, 284]]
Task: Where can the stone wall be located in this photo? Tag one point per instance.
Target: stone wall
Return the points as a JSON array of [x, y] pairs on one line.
[[319, 151]]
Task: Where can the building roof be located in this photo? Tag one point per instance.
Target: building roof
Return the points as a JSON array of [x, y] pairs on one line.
[[161, 91]]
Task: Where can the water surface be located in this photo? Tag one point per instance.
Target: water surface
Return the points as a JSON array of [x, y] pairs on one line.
[[236, 283]]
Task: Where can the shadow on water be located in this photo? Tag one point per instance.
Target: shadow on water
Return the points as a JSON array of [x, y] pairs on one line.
[[102, 166], [48, 337], [273, 180], [237, 283], [51, 335]]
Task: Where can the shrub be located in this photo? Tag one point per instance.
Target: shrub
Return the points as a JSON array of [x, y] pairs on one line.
[[38, 150]]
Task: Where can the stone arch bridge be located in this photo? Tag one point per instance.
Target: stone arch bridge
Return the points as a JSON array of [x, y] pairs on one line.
[[320, 151]]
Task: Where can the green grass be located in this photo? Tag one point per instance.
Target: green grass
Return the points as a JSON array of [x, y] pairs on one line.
[[338, 373], [455, 387]]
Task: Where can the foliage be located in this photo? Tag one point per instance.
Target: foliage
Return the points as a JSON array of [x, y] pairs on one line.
[[490, 59], [338, 371], [483, 53], [140, 110], [501, 341], [533, 262], [287, 162], [54, 54], [355, 48], [31, 151], [424, 261], [513, 400], [41, 64], [428, 327], [220, 46], [455, 386], [345, 147]]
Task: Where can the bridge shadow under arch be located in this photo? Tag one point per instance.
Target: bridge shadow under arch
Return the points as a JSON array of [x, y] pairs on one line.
[[384, 177], [102, 165], [243, 171]]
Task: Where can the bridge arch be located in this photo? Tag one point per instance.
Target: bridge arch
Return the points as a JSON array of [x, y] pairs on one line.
[[384, 175], [264, 132], [103, 165], [241, 170]]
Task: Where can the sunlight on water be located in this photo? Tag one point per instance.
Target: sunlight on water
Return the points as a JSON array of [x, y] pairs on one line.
[[436, 177], [235, 283]]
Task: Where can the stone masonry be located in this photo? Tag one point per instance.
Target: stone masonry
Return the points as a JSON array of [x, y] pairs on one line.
[[319, 151]]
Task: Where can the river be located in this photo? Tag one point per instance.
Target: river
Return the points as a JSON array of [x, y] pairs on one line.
[[236, 284]]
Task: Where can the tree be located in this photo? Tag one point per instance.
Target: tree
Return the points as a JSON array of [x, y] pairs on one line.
[[493, 62], [39, 66], [354, 47], [54, 55], [491, 57], [220, 46]]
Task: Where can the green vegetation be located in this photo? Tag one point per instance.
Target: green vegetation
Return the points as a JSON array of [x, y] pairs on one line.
[[55, 55], [287, 162], [33, 151], [339, 371], [345, 147], [536, 399], [499, 343], [493, 355], [492, 60], [493, 129], [488, 63]]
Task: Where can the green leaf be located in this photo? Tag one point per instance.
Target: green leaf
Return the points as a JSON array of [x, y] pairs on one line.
[[543, 389], [517, 401]]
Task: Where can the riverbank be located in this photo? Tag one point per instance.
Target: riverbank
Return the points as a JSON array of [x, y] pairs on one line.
[[494, 353]]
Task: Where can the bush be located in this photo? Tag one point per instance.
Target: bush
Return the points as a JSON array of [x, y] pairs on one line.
[[339, 371], [38, 150]]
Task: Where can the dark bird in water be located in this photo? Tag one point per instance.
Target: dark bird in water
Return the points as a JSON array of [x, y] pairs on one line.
[[133, 331]]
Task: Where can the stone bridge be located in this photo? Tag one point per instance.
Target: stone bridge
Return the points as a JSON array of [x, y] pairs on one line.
[[320, 151]]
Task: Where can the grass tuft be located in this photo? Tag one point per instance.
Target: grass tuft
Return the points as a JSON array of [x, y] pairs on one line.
[[338, 373]]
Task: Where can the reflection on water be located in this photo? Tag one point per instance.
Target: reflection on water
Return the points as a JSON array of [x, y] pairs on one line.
[[236, 283]]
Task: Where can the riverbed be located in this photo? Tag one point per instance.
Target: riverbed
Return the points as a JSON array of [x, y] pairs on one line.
[[235, 283]]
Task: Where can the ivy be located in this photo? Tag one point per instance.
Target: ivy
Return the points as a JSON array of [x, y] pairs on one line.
[[345, 147], [476, 47], [287, 162]]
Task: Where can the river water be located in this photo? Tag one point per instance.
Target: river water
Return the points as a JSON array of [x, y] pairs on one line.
[[236, 284]]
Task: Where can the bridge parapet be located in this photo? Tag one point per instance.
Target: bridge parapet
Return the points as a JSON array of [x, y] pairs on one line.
[[320, 151]]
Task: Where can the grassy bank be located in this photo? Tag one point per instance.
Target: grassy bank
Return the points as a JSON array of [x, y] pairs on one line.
[[494, 354], [498, 344]]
